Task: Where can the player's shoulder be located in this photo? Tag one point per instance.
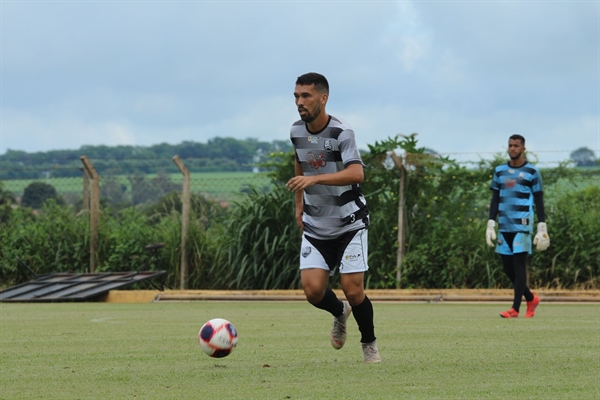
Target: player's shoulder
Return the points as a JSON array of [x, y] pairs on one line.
[[502, 167], [530, 168], [339, 123]]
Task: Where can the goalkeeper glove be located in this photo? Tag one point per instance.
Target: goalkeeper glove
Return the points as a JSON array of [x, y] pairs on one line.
[[490, 233], [541, 240]]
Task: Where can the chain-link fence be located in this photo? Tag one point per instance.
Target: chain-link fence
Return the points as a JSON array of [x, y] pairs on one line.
[[148, 182]]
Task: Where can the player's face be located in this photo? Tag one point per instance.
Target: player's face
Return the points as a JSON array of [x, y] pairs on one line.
[[309, 102], [515, 149]]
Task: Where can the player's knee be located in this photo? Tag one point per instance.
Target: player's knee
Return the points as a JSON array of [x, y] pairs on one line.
[[313, 294], [354, 295]]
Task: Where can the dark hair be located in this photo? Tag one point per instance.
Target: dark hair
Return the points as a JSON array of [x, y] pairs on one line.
[[518, 137], [312, 78]]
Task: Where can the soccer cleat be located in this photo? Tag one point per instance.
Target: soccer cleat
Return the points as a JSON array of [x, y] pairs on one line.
[[531, 306], [371, 353], [509, 314], [338, 330]]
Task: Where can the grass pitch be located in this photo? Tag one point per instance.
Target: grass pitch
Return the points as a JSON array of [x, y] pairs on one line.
[[429, 351]]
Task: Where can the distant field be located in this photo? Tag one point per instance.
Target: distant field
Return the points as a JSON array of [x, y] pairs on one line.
[[429, 351], [212, 183]]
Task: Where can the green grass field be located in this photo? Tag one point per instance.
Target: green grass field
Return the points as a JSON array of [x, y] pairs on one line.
[[429, 351]]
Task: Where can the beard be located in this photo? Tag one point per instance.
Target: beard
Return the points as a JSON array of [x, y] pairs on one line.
[[516, 156], [310, 116]]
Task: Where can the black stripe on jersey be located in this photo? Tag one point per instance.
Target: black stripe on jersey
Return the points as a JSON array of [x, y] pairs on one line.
[[334, 133], [513, 194], [335, 201], [515, 207], [518, 221], [349, 195]]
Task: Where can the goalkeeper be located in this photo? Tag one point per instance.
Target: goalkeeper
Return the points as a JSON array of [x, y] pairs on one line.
[[516, 187]]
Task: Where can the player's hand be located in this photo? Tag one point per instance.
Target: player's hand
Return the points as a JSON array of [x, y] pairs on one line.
[[300, 182], [490, 233], [541, 239]]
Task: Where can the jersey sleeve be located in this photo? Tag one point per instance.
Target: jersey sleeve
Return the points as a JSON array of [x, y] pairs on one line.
[[348, 149]]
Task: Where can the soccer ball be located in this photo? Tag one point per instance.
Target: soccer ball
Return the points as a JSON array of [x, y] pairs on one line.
[[217, 337]]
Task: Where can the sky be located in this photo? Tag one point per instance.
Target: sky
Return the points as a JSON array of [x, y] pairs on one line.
[[463, 75]]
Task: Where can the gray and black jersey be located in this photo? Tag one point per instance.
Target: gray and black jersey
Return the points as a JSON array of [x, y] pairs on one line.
[[329, 211]]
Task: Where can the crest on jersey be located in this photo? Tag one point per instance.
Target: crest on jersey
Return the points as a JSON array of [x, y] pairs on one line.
[[315, 160], [314, 139], [510, 183], [328, 145]]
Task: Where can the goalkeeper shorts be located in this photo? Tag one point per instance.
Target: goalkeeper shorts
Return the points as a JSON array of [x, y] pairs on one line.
[[521, 243]]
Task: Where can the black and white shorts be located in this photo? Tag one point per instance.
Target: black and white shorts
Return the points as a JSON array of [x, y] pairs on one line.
[[348, 251]]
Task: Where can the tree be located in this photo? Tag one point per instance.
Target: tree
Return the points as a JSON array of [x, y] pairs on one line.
[[37, 193], [584, 157], [7, 199]]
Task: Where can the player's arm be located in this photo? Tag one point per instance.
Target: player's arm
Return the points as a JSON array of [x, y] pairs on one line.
[[351, 175], [299, 197], [490, 232]]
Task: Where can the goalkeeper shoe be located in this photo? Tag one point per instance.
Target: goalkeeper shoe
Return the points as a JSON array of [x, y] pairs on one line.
[[510, 314], [338, 330], [531, 306]]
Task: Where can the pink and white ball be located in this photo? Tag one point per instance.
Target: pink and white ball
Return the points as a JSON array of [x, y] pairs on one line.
[[218, 337]]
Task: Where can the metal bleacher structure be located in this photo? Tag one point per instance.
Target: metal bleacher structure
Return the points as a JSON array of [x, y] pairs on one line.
[[66, 286]]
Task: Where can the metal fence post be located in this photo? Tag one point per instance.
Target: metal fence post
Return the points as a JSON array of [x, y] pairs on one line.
[[94, 211], [185, 219]]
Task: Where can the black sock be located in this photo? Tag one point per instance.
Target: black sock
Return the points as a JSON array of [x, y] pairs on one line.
[[331, 303], [363, 314]]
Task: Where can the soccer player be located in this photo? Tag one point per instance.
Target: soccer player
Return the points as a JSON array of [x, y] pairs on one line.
[[331, 212], [516, 187]]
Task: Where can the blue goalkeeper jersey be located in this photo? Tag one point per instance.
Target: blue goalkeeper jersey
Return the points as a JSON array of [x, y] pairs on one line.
[[516, 186]]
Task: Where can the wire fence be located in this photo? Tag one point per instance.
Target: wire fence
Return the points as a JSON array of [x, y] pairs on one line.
[[123, 187], [136, 182]]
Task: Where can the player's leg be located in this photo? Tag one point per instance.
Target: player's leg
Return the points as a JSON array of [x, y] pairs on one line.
[[314, 274], [353, 265], [314, 284], [520, 279], [505, 248]]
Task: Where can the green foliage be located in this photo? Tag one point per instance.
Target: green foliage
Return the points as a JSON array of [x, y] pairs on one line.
[[260, 247], [37, 193], [253, 242], [56, 240], [218, 154], [573, 259], [7, 199]]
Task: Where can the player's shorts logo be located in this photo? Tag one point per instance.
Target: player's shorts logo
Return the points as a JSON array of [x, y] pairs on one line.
[[306, 251]]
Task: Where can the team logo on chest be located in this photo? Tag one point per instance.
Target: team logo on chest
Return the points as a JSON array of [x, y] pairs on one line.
[[510, 183], [314, 139], [328, 145], [315, 160]]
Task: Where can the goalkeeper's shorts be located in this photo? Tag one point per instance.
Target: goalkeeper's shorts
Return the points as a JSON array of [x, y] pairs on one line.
[[521, 244]]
